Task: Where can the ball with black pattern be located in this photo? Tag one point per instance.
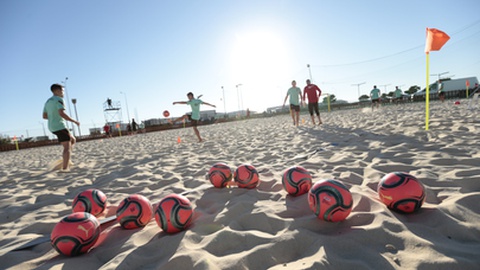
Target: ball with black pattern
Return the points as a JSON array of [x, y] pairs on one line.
[[401, 192], [174, 213], [134, 212], [92, 201], [220, 175], [75, 234], [246, 176], [296, 180], [330, 200]]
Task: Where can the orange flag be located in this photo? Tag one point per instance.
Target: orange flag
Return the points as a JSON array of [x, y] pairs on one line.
[[435, 40]]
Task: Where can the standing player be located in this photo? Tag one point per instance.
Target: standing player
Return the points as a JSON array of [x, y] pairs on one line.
[[311, 91], [398, 95], [295, 97], [54, 112], [195, 115], [375, 96]]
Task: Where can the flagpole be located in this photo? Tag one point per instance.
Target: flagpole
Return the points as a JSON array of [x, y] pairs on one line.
[[427, 94]]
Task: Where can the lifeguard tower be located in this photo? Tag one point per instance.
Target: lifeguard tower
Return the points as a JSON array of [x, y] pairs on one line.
[[112, 110]]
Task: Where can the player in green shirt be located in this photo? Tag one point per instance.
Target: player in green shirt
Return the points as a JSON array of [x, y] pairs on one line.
[[54, 112], [195, 115], [398, 94], [295, 98], [375, 96]]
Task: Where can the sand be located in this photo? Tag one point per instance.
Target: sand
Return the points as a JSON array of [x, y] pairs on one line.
[[262, 228]]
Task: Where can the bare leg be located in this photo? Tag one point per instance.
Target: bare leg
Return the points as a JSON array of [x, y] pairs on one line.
[[292, 113], [298, 117], [319, 120], [313, 119], [198, 134]]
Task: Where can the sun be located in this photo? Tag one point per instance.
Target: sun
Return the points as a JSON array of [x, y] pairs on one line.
[[259, 56]]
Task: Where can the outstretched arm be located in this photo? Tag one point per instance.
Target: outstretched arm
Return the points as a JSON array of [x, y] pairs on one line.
[[285, 100], [211, 105], [179, 102]]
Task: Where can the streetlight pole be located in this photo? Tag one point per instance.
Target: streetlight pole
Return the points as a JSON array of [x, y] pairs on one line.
[[385, 85], [126, 102], [224, 106], [358, 87], [43, 126], [74, 101], [238, 96], [68, 100], [310, 72]]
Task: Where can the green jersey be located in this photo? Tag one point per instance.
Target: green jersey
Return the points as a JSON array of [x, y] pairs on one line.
[[375, 93], [398, 93], [55, 121], [294, 93], [195, 104]]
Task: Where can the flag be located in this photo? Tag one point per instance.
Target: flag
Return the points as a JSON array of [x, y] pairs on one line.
[[435, 40]]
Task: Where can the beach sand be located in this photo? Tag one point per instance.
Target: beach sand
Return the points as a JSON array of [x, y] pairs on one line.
[[262, 228]]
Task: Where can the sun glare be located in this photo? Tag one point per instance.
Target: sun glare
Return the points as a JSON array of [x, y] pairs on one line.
[[258, 56]]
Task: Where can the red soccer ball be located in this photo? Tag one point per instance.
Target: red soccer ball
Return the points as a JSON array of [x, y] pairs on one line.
[[166, 113], [297, 180], [220, 175], [75, 234], [134, 212], [174, 213], [401, 192], [92, 201], [330, 200], [246, 176]]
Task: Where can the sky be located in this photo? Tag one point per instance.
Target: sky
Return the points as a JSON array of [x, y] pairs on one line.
[[147, 54]]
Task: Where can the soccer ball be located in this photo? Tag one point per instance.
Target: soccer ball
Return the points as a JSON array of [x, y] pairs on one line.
[[220, 175], [401, 192], [166, 113], [330, 200], [297, 180], [246, 176], [75, 234], [174, 213], [92, 201], [134, 212]]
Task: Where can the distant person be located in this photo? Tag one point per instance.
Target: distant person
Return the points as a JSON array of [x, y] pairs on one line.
[[398, 94], [375, 96], [109, 102], [441, 93], [311, 91], [295, 97], [106, 129], [129, 129], [194, 117], [54, 112], [134, 126]]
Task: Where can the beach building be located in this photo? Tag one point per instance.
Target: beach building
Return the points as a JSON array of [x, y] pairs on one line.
[[456, 88]]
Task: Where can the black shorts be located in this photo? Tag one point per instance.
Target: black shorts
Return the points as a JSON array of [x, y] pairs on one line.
[[441, 94], [295, 107], [62, 135], [376, 100], [313, 107], [194, 122]]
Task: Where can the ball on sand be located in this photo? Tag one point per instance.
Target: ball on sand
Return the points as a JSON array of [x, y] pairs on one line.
[[330, 200], [296, 180], [135, 211], [401, 192], [220, 175], [246, 176], [174, 213], [92, 201], [166, 113], [75, 234]]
